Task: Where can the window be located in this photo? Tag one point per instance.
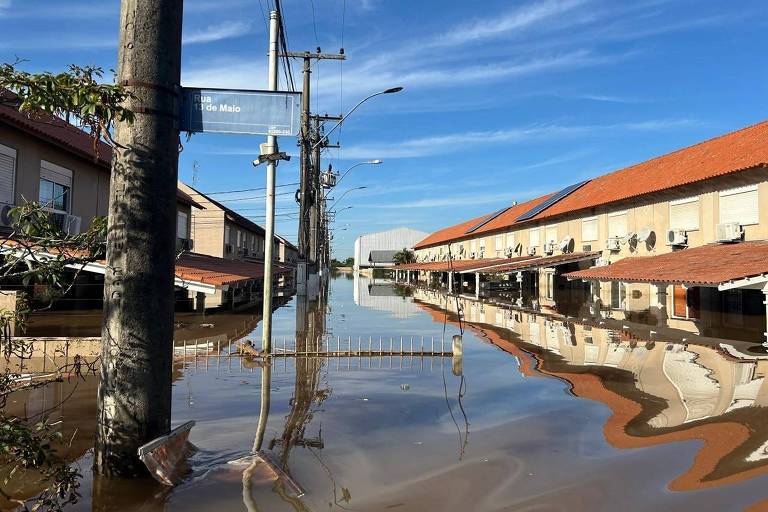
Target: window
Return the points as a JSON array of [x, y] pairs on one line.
[[618, 294], [551, 234], [472, 246], [684, 214], [182, 220], [55, 190], [226, 234], [740, 205], [589, 229], [533, 237], [7, 174], [550, 285], [686, 302], [617, 225], [499, 245], [239, 238], [510, 241]]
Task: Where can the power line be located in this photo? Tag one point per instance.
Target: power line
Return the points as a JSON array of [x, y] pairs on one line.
[[238, 191]]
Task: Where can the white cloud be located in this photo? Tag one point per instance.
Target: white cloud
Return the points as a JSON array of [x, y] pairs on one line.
[[456, 142], [225, 30], [516, 20]]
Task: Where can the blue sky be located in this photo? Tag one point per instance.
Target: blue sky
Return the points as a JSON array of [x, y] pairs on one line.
[[502, 102]]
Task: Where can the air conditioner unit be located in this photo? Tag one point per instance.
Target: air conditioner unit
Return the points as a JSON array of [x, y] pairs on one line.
[[613, 244], [549, 248], [586, 247], [509, 252], [532, 251], [677, 237], [472, 255], [72, 224], [729, 232]]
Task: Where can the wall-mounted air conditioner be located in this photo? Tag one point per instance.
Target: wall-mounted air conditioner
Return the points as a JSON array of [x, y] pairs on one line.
[[613, 244], [549, 248], [532, 251], [472, 255], [729, 232], [677, 237]]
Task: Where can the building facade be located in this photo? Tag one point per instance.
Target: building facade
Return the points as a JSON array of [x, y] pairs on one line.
[[391, 240], [712, 193]]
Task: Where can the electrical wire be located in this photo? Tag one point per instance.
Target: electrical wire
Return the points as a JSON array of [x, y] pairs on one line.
[[238, 191]]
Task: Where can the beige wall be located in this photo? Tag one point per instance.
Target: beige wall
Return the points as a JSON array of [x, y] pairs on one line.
[[652, 212], [90, 181]]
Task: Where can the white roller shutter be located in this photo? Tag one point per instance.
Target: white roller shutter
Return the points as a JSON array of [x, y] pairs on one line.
[[684, 214], [589, 230], [551, 234], [7, 174], [617, 224], [55, 173], [533, 237], [740, 205]]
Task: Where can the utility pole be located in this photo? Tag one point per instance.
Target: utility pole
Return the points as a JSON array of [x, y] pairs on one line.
[[271, 150], [310, 174], [134, 398]]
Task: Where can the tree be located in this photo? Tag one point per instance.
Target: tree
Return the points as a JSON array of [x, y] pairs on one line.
[[137, 333], [405, 256]]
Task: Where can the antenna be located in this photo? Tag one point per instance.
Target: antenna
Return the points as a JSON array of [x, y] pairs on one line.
[[195, 172]]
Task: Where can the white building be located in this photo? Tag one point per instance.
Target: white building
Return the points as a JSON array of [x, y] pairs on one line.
[[392, 240]]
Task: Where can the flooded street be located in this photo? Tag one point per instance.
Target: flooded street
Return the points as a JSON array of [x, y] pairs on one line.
[[546, 414]]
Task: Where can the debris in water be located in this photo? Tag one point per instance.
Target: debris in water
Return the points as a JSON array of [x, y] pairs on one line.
[[405, 387], [208, 326], [166, 456], [259, 468]]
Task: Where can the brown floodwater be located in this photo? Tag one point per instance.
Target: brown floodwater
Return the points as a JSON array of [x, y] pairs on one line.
[[549, 412]]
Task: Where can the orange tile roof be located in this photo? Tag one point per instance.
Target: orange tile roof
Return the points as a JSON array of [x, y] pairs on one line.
[[706, 265], [729, 153], [726, 154], [219, 271], [507, 219], [451, 232]]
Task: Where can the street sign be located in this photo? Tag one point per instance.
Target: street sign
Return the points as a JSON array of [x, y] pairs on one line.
[[240, 111]]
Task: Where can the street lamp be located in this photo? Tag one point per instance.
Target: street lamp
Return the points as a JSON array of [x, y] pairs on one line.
[[369, 162], [345, 116], [345, 193]]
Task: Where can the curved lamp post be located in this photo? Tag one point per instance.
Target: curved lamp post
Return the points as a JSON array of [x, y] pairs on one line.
[[345, 116], [368, 162]]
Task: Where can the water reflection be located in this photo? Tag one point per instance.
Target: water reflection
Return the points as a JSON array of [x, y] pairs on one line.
[[379, 294], [658, 391]]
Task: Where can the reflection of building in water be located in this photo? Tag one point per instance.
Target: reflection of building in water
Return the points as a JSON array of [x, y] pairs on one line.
[[658, 391], [382, 296]]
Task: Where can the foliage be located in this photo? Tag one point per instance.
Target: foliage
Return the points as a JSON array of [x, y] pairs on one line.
[[405, 256], [349, 262], [77, 93], [40, 251]]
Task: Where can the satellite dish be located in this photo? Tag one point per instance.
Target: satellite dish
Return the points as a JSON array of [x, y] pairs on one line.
[[566, 244], [519, 249], [644, 235], [631, 237]]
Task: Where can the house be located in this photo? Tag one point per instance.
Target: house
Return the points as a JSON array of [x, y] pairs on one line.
[[43, 158], [670, 210]]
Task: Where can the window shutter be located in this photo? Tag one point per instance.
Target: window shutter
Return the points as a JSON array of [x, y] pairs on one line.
[[511, 240], [551, 234], [589, 230], [684, 214], [7, 174], [181, 225], [533, 237], [55, 173], [740, 205], [499, 242], [617, 225]]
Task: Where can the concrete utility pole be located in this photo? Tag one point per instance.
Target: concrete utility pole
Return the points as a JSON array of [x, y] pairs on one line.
[[310, 174], [271, 149], [134, 397]]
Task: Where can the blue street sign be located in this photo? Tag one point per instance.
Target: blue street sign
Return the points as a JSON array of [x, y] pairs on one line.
[[239, 111]]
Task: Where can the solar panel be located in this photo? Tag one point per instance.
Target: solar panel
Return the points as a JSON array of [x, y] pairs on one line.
[[549, 202], [486, 220]]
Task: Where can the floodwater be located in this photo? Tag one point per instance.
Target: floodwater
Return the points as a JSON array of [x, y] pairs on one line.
[[546, 413]]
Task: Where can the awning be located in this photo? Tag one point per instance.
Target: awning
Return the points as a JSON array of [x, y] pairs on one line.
[[727, 266], [445, 266], [543, 262], [195, 272]]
